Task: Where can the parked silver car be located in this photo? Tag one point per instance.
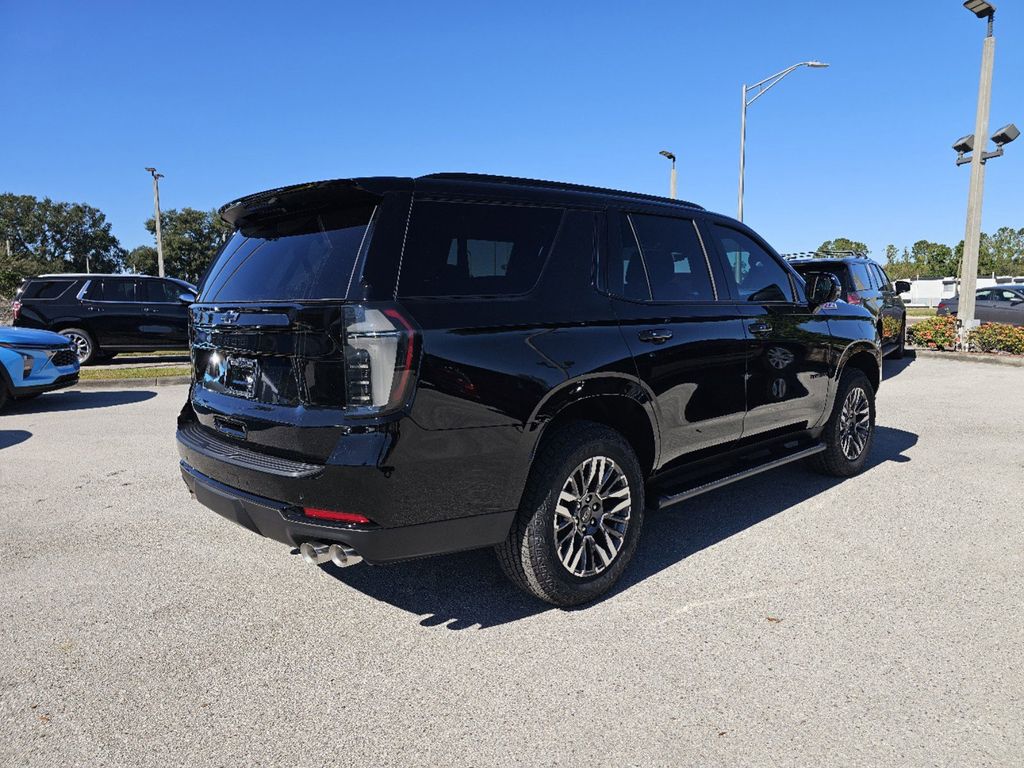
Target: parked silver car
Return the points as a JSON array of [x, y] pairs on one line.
[[998, 304]]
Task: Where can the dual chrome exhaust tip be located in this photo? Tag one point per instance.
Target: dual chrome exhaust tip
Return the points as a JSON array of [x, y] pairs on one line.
[[318, 553]]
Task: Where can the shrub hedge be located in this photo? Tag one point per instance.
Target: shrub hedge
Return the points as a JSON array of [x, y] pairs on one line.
[[934, 332], [940, 333]]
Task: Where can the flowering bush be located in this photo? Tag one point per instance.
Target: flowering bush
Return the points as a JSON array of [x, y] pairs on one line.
[[998, 337], [934, 332]]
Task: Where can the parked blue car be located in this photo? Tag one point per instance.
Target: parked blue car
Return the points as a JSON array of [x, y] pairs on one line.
[[33, 362]]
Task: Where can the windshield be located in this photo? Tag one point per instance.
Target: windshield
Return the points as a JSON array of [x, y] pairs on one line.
[[301, 258]]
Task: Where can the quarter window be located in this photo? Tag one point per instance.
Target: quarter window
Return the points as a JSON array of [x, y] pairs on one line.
[[757, 275], [475, 249]]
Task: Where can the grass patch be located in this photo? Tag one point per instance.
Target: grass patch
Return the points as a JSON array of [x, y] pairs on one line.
[[920, 312], [114, 374]]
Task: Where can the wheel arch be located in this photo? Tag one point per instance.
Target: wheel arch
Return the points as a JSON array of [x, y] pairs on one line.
[[620, 402]]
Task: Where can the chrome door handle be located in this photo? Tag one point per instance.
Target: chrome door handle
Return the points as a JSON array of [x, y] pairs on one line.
[[760, 327], [655, 335]]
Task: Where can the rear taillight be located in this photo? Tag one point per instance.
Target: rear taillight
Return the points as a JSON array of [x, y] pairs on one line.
[[334, 516], [15, 309], [853, 298], [380, 349]]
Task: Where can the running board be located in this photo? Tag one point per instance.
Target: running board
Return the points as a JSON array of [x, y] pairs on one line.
[[675, 498]]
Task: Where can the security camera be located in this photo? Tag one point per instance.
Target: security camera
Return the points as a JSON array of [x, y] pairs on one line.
[[1005, 135], [964, 144]]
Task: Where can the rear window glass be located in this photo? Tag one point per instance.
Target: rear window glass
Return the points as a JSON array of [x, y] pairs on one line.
[[838, 270], [861, 279], [46, 289], [302, 258], [475, 249]]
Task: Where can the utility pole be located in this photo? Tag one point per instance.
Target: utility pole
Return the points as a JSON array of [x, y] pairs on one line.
[[672, 173], [156, 207]]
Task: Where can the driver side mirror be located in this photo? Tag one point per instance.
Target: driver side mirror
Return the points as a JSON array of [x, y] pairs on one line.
[[186, 298], [822, 287], [902, 286]]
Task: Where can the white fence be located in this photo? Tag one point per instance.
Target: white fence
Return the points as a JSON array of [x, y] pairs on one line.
[[928, 293]]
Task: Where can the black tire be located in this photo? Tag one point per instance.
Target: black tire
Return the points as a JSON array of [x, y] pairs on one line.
[[897, 354], [84, 344], [530, 554], [836, 459]]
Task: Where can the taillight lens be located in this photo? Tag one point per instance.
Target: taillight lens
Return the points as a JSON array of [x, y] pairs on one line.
[[15, 309], [380, 348], [337, 517], [853, 298]]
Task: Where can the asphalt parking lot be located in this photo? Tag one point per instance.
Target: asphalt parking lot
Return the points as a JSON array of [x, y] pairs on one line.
[[788, 620]]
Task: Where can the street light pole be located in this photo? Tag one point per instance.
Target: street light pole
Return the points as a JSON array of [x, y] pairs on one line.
[[672, 174], [972, 234], [156, 207], [762, 87]]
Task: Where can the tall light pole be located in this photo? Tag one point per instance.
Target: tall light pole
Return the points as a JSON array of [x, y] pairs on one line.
[[762, 87], [972, 234], [672, 174], [156, 207]]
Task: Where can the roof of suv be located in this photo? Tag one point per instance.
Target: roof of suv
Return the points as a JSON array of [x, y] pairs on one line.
[[276, 200]]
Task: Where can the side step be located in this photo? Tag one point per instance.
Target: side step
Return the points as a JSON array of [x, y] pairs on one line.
[[681, 495]]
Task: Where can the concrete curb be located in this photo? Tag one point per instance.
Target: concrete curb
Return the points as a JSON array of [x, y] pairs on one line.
[[969, 357], [157, 381]]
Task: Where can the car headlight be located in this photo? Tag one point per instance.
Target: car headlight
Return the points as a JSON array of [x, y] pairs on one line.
[[27, 361]]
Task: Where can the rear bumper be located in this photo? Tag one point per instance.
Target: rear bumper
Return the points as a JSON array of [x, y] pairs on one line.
[[285, 523]]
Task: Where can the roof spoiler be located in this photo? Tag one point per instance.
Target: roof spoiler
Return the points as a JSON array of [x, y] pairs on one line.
[[299, 197]]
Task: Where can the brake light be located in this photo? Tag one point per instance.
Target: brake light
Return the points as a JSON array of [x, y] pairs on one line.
[[379, 358], [15, 309], [853, 298], [337, 517]]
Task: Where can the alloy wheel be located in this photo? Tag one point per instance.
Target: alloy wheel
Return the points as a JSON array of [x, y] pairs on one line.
[[80, 344], [855, 424], [591, 517]]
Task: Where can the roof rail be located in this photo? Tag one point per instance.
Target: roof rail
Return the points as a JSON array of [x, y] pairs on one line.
[[485, 178], [824, 255]]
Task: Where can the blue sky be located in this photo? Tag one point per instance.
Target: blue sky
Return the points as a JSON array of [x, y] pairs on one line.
[[228, 98]]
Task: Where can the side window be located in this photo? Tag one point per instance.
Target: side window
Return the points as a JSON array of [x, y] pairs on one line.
[[475, 249], [671, 251], [861, 278], [883, 278], [159, 291], [627, 276], [111, 289], [757, 275]]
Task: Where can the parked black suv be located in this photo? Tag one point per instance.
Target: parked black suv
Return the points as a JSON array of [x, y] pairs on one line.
[[106, 314], [387, 368], [864, 282]]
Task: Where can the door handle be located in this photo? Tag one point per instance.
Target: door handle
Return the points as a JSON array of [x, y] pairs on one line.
[[760, 327], [655, 335]]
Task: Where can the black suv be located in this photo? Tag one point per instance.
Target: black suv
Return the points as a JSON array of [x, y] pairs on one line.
[[864, 282], [106, 314], [386, 368]]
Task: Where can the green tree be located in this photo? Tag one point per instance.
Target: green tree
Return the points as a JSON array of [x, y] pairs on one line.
[[1001, 253], [932, 259], [51, 236], [844, 244], [190, 240], [142, 260]]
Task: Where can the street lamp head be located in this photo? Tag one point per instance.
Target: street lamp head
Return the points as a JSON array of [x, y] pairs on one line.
[[151, 170], [815, 64], [980, 8], [1005, 135], [964, 144], [669, 155]]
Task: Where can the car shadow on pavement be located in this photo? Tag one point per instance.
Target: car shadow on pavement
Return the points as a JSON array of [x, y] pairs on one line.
[[78, 400], [468, 589], [9, 437], [892, 368]]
